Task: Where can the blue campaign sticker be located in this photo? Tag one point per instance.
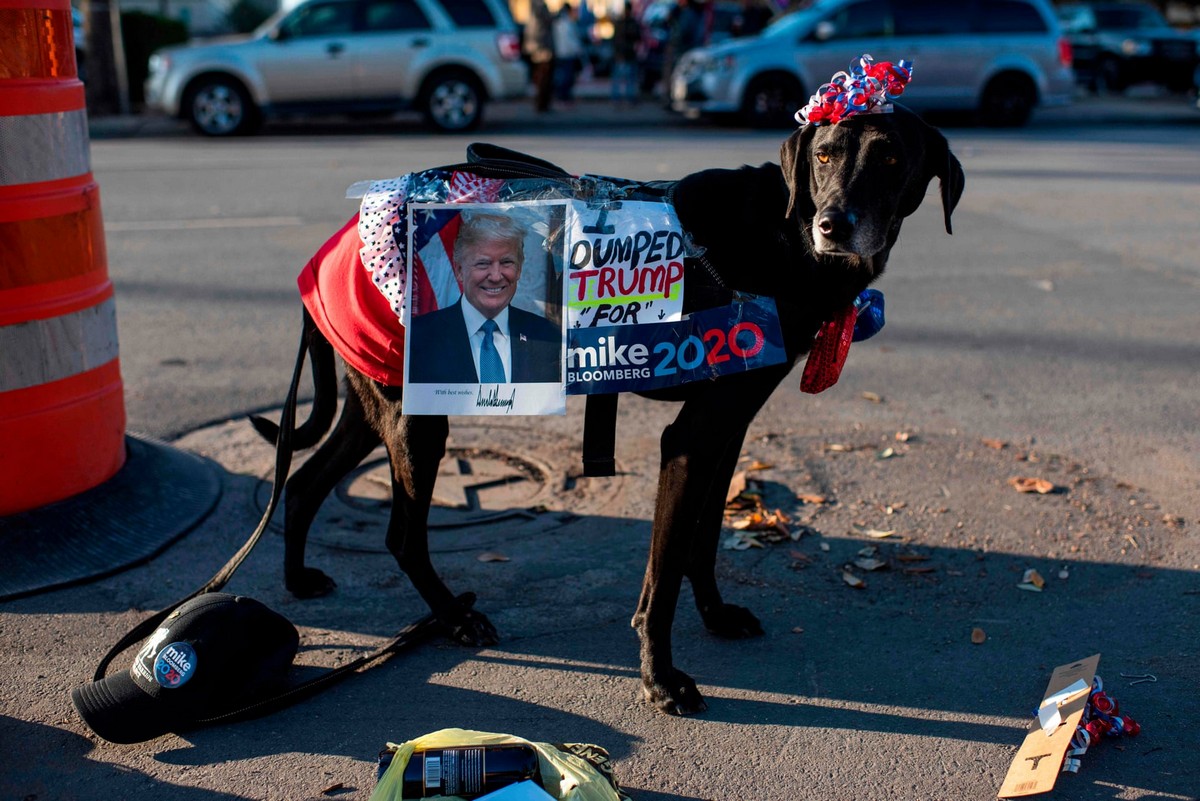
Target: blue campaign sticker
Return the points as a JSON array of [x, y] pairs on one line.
[[744, 335], [176, 663]]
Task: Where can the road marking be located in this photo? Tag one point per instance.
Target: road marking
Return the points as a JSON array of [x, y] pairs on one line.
[[204, 224]]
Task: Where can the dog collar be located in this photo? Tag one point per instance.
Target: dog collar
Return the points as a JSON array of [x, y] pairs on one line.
[[868, 88]]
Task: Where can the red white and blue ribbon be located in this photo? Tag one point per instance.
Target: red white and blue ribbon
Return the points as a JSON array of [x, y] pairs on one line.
[[1101, 718], [869, 87]]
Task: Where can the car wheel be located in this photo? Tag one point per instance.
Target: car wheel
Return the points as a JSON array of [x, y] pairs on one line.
[[771, 101], [220, 106], [1008, 101], [453, 101]]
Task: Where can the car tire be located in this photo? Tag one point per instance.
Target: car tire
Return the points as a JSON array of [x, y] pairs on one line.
[[452, 101], [219, 105], [771, 101], [1008, 101]]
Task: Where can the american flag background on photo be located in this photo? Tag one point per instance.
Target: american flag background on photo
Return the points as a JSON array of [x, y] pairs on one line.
[[434, 285]]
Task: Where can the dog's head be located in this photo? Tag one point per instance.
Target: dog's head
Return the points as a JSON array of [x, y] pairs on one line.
[[851, 184]]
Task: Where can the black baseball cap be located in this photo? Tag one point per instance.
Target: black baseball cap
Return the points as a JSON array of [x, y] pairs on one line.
[[213, 655]]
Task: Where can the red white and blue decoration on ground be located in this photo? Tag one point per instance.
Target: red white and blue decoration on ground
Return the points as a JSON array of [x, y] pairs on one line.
[[1101, 718], [868, 88]]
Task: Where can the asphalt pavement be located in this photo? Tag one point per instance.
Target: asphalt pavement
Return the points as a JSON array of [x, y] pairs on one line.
[[903, 656]]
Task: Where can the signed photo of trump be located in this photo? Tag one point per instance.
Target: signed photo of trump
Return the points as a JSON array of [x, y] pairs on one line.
[[484, 315]]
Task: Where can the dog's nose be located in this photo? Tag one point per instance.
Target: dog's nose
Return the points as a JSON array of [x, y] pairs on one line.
[[836, 225]]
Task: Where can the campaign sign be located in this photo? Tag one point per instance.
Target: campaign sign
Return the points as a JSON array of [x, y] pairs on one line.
[[744, 335], [624, 264]]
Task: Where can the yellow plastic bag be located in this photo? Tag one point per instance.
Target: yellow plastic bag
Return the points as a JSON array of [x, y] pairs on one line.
[[584, 771]]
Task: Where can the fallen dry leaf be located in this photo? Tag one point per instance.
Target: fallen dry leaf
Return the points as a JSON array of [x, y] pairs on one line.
[[869, 563], [492, 556], [737, 485], [824, 546], [837, 447], [875, 533], [797, 630], [808, 497], [914, 571], [912, 557], [853, 580], [887, 453], [978, 636], [996, 444], [1033, 577], [873, 397], [757, 465], [1038, 485], [905, 436]]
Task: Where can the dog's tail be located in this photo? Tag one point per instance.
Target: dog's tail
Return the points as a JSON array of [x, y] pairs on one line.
[[324, 376]]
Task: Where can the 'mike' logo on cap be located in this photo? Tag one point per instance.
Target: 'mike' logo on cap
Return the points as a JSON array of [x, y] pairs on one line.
[[175, 665]]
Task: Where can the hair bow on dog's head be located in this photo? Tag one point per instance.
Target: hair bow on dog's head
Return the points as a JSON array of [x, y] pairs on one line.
[[868, 88]]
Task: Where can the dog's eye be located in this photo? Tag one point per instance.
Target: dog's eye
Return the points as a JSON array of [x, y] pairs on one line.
[[891, 160], [823, 158]]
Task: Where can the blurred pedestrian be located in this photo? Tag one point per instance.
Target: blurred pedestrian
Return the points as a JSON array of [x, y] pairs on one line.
[[751, 18], [569, 52], [685, 32], [627, 50], [538, 46]]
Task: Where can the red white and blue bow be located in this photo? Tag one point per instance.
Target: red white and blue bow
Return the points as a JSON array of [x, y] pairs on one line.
[[868, 88]]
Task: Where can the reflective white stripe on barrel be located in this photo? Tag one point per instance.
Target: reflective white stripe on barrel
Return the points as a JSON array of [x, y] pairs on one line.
[[39, 351], [43, 147]]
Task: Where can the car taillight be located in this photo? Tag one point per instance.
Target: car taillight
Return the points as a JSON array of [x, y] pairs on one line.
[[1065, 56], [509, 46]]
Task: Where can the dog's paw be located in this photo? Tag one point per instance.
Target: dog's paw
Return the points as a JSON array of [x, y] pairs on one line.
[[731, 622], [309, 583], [471, 628], [676, 695]]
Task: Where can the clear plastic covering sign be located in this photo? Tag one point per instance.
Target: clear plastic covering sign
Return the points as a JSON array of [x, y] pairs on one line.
[[515, 293]]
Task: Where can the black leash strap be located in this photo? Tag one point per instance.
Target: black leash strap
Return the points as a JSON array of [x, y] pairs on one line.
[[283, 463]]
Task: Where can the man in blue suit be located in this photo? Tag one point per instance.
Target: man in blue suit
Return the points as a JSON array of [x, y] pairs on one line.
[[482, 339]]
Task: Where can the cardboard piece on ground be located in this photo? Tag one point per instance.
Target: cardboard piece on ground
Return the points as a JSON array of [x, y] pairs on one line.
[[1037, 764]]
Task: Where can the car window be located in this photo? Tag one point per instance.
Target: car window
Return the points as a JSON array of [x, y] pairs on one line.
[[931, 17], [470, 13], [394, 15], [858, 20], [1009, 16], [319, 19], [1128, 17]]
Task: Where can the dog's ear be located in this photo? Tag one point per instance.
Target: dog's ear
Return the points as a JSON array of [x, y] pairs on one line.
[[941, 162], [793, 160]]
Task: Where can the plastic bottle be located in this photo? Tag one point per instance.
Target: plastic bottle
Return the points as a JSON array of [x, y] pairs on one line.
[[469, 771]]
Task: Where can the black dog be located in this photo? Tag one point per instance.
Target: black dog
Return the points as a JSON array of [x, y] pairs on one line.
[[811, 233]]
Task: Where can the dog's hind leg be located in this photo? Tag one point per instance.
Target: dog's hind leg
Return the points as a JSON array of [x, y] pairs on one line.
[[416, 446], [350, 442]]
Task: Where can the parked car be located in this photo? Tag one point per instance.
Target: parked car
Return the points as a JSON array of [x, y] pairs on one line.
[[720, 17], [1117, 45], [445, 59], [999, 58]]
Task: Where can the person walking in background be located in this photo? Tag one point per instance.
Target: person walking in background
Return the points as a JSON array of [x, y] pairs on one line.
[[752, 17], [627, 48], [685, 32], [538, 45], [568, 52]]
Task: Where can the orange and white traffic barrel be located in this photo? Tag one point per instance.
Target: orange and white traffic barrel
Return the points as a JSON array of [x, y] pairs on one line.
[[62, 413]]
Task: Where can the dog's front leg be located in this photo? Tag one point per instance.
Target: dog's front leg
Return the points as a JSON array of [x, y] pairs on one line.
[[416, 447]]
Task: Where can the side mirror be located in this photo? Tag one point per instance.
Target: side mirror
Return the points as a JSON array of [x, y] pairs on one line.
[[277, 34]]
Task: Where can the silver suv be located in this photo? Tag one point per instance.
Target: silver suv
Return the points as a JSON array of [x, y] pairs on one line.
[[347, 56], [1000, 58]]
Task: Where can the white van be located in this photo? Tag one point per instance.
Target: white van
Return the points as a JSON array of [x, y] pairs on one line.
[[1000, 58]]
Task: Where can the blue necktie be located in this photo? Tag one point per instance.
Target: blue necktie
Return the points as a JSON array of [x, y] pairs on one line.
[[491, 369]]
